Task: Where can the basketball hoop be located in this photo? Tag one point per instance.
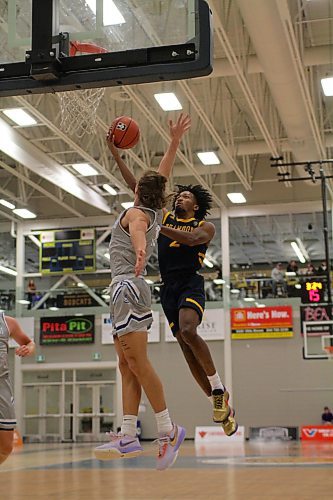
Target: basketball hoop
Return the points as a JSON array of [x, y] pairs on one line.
[[79, 107]]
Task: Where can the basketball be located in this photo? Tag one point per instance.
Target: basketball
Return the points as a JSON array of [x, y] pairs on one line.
[[125, 131]]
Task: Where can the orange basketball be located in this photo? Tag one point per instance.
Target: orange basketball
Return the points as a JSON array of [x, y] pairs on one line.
[[125, 131]]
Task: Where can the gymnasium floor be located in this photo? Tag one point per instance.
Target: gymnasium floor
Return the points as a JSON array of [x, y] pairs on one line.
[[255, 470]]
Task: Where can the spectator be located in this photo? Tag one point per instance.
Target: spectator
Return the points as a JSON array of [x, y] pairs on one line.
[[322, 269], [31, 289], [327, 417], [292, 267], [278, 279], [310, 270]]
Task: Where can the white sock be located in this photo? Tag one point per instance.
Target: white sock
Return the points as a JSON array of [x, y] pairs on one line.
[[164, 424], [215, 382], [128, 425]]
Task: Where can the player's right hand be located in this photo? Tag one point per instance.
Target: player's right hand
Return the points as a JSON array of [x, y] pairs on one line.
[[182, 125], [110, 143]]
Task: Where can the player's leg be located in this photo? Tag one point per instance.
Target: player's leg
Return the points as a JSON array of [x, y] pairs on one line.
[[195, 366], [126, 443], [171, 436], [6, 444]]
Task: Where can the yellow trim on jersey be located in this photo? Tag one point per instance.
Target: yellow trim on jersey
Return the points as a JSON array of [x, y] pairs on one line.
[[165, 217], [200, 223], [185, 220], [171, 324], [201, 262], [196, 303], [202, 254]]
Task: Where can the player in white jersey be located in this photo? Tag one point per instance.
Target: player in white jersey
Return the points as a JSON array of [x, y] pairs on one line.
[[9, 327], [133, 237]]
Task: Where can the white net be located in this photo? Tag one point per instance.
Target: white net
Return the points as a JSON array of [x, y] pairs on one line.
[[79, 110]]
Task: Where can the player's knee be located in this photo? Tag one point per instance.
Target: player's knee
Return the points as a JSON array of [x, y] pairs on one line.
[[123, 366], [188, 333], [135, 365]]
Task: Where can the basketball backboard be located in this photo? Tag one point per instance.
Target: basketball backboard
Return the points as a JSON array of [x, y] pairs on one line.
[[317, 339], [141, 41]]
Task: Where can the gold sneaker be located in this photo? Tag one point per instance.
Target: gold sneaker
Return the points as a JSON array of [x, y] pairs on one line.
[[221, 409], [230, 425]]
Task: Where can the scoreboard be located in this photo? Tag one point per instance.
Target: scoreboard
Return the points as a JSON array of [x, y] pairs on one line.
[[312, 292], [67, 251]]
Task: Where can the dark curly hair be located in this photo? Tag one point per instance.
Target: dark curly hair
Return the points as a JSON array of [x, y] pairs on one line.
[[151, 190], [202, 196]]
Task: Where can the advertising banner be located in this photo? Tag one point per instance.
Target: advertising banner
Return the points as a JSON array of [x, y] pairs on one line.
[[317, 433], [261, 323], [107, 337], [215, 434], [318, 312], [211, 327], [67, 330]]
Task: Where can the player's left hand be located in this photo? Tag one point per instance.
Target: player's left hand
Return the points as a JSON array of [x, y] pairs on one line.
[[178, 129], [140, 263]]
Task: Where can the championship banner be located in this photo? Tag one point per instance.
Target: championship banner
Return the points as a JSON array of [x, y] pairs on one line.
[[211, 327], [261, 323], [107, 337], [317, 433], [318, 312], [28, 326]]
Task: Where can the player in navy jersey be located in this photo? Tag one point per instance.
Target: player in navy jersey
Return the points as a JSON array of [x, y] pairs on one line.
[[182, 244]]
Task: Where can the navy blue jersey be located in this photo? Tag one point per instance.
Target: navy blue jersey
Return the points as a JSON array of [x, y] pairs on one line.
[[176, 257]]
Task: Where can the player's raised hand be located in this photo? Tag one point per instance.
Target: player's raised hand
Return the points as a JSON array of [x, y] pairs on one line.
[[110, 143], [140, 262], [182, 125]]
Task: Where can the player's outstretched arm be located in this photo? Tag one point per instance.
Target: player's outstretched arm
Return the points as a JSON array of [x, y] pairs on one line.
[[124, 170], [137, 227], [27, 346], [177, 130], [200, 235]]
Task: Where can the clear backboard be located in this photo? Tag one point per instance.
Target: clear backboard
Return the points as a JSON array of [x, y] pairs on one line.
[[318, 339], [57, 45]]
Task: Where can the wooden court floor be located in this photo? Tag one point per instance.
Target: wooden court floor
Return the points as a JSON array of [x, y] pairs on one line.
[[249, 471]]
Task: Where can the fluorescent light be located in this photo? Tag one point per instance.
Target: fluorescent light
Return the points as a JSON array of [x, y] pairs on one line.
[[302, 248], [219, 281], [106, 297], [81, 285], [290, 273], [327, 85], [127, 204], [20, 117], [7, 270], [298, 252], [208, 158], [24, 213], [54, 308], [7, 204], [249, 299], [85, 169], [298, 285], [261, 305], [168, 101], [234, 290], [111, 13], [23, 301], [208, 263], [150, 282], [236, 197], [110, 189]]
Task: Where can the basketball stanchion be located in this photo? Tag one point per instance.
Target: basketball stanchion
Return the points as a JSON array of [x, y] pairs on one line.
[[79, 107]]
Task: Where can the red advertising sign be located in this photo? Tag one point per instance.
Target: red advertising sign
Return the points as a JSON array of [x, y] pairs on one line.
[[263, 322], [317, 433]]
